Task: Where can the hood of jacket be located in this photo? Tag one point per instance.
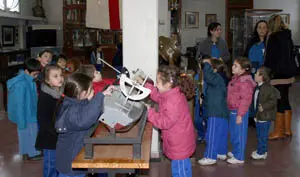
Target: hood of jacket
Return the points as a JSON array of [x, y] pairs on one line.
[[20, 77]]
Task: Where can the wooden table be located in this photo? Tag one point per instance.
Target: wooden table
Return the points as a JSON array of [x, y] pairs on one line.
[[116, 158]]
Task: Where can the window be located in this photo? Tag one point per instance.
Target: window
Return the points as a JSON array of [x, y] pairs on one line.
[[10, 5]]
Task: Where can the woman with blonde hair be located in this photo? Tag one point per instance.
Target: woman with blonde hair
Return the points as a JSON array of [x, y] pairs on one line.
[[279, 58]]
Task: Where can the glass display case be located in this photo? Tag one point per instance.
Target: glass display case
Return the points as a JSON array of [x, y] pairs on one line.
[[242, 24]]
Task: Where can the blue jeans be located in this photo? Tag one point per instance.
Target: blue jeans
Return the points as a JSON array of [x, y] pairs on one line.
[[181, 168], [216, 137], [49, 163], [238, 135], [262, 131]]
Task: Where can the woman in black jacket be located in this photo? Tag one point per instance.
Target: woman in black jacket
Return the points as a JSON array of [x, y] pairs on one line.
[[279, 58], [47, 103]]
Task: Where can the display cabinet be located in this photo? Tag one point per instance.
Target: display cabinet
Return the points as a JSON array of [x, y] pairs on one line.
[[242, 25]]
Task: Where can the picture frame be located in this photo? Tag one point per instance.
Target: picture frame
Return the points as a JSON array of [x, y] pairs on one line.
[[286, 18], [8, 35], [192, 19], [209, 18]]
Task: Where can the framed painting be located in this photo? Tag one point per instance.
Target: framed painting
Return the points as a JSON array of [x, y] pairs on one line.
[[8, 35], [192, 19], [209, 18]]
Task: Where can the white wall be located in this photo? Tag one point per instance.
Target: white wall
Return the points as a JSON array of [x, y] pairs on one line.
[[54, 14], [189, 36], [288, 6]]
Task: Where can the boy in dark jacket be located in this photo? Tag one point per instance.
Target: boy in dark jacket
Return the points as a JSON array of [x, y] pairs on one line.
[[265, 106]]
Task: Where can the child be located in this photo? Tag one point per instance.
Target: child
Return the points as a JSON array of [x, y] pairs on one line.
[[265, 106], [22, 108], [72, 66], [78, 112], [45, 57], [239, 98], [174, 119], [48, 98], [96, 54], [61, 61], [216, 111], [98, 82]]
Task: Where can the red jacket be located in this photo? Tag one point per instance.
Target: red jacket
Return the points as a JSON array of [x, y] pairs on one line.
[[98, 86], [239, 94], [175, 122]]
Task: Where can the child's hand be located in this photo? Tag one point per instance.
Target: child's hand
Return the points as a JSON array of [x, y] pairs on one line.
[[260, 108], [109, 90], [238, 119], [139, 80], [148, 106]]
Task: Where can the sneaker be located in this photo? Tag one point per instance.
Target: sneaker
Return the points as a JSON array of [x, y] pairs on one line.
[[229, 154], [221, 157], [257, 156], [233, 160], [207, 161]]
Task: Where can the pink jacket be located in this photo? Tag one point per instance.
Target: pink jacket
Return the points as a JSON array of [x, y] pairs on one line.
[[239, 94], [175, 122]]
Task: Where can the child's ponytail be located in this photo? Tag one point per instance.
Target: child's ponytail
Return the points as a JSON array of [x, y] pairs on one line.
[[172, 74], [187, 86]]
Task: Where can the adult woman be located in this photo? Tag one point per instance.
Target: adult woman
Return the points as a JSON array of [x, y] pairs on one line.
[[279, 58], [256, 46], [214, 45]]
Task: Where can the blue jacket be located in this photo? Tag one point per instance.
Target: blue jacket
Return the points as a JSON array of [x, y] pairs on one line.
[[73, 121], [256, 53], [22, 100], [215, 103]]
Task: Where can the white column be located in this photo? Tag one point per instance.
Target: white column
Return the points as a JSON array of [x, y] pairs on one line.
[[140, 43]]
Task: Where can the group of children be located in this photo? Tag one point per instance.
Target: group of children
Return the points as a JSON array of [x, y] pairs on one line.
[[226, 105], [227, 110], [56, 118], [54, 114]]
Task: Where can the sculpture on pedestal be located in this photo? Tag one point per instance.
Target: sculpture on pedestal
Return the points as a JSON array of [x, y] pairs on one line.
[[38, 10]]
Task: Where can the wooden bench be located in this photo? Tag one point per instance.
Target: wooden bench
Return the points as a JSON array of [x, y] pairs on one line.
[[116, 158]]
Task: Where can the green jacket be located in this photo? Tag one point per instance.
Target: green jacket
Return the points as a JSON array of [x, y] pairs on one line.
[[267, 97]]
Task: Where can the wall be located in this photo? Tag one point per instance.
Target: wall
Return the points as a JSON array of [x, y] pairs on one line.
[[189, 36], [54, 14], [25, 10], [164, 18], [288, 6]]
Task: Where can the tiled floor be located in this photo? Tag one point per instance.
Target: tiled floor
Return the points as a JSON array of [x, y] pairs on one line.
[[283, 157]]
